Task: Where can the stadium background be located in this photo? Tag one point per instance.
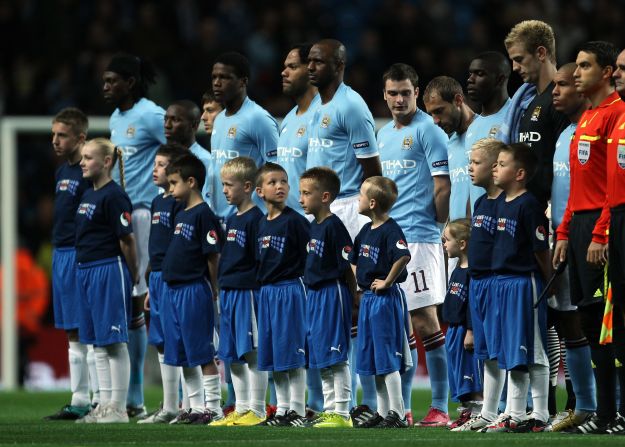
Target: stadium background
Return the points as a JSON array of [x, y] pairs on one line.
[[52, 54]]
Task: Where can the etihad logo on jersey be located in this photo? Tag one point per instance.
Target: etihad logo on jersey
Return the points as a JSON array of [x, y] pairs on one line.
[[535, 114], [561, 168], [458, 290], [369, 251], [125, 218], [395, 165], [67, 185], [226, 154], [460, 174], [86, 209], [232, 133], [290, 152], [325, 121], [274, 242], [620, 154], [185, 230], [529, 137], [128, 151], [300, 132], [407, 143], [162, 217], [131, 131], [487, 223], [237, 236], [315, 144], [315, 246], [211, 237], [540, 233], [507, 225]]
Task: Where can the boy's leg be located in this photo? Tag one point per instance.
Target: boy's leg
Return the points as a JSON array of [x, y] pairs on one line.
[[393, 389], [119, 362], [297, 390], [518, 384], [315, 398], [93, 376], [104, 374], [342, 390], [212, 389], [241, 380], [258, 385], [327, 384], [281, 382], [195, 390], [382, 395], [78, 372]]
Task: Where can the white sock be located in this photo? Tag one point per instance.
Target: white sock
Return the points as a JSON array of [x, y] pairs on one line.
[[539, 383], [120, 374], [395, 397], [342, 388], [327, 387], [93, 375], [241, 383], [258, 385], [494, 380], [281, 383], [186, 402], [382, 396], [212, 393], [78, 374], [170, 375], [297, 390], [195, 391], [518, 383], [104, 374]]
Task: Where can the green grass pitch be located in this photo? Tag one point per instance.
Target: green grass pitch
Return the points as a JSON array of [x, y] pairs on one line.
[[21, 424]]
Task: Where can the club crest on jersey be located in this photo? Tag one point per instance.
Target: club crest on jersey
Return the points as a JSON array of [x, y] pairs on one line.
[[315, 246], [346, 251], [401, 244], [211, 237], [407, 143], [541, 233], [301, 132], [325, 121], [620, 154], [493, 131], [130, 132], [232, 133], [535, 114], [583, 152], [125, 218], [368, 251], [184, 230], [86, 209], [67, 185]]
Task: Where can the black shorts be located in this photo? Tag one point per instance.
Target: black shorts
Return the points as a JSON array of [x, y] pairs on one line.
[[617, 254], [587, 281]]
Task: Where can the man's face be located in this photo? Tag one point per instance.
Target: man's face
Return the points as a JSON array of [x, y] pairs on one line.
[[589, 75], [210, 110], [295, 80], [322, 67], [619, 74], [482, 81], [401, 98], [566, 98], [227, 86], [178, 125], [526, 64], [115, 89], [445, 114]]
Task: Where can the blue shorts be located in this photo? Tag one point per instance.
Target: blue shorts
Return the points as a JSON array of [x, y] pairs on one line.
[[383, 331], [238, 326], [65, 288], [188, 324], [485, 305], [463, 369], [329, 324], [523, 328], [282, 326], [157, 292], [105, 286]]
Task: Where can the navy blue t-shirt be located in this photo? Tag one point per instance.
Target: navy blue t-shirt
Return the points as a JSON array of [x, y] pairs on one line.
[[328, 251], [483, 228], [163, 211], [238, 264], [70, 186], [521, 231], [457, 298], [282, 247], [102, 218], [376, 250], [197, 233]]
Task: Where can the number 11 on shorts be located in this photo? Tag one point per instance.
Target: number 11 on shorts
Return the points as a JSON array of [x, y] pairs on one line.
[[416, 281]]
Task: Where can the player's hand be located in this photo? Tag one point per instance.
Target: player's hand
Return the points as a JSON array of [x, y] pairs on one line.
[[468, 340], [559, 253], [146, 302], [379, 285], [597, 254]]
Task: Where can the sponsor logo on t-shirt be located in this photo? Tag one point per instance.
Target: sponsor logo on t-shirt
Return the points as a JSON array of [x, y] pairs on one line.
[[507, 225], [237, 236], [346, 251], [368, 251], [440, 163], [457, 289], [67, 185], [541, 233], [360, 145], [185, 230], [275, 242], [161, 217], [87, 209], [315, 246], [401, 244], [487, 223]]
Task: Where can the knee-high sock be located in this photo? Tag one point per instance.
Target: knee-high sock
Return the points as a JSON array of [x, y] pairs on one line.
[[436, 361], [327, 385], [93, 375], [137, 346], [605, 374], [518, 384], [579, 364], [258, 385], [539, 385], [382, 395], [120, 374], [553, 353], [231, 396], [369, 398], [570, 392], [314, 400], [281, 382], [212, 393], [104, 374], [393, 388], [78, 374], [184, 391], [297, 390], [195, 390], [170, 376], [406, 380], [239, 373], [494, 379], [342, 388]]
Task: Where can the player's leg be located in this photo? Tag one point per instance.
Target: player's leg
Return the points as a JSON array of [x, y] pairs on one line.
[[553, 353], [93, 377]]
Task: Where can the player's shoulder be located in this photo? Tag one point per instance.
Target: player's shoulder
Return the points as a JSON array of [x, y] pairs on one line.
[[252, 112]]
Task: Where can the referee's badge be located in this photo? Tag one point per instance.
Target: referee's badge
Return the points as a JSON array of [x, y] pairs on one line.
[[583, 151], [620, 154]]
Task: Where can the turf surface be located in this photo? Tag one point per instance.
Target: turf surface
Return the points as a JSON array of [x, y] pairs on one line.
[[21, 424]]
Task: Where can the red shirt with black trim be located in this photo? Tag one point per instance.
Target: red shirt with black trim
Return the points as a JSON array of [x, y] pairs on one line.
[[588, 160], [616, 164]]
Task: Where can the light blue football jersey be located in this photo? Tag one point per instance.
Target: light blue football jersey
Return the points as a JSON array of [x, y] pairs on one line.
[[207, 161], [483, 127], [139, 132], [340, 132], [411, 156], [293, 148], [251, 132], [458, 158], [561, 184]]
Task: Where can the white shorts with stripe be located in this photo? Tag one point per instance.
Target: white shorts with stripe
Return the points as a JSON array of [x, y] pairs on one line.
[[346, 209], [426, 284]]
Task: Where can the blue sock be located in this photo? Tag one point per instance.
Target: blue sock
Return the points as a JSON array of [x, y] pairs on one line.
[[504, 396], [406, 380], [352, 371], [314, 399], [272, 391], [436, 361], [137, 345], [231, 397], [582, 377], [369, 394]]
